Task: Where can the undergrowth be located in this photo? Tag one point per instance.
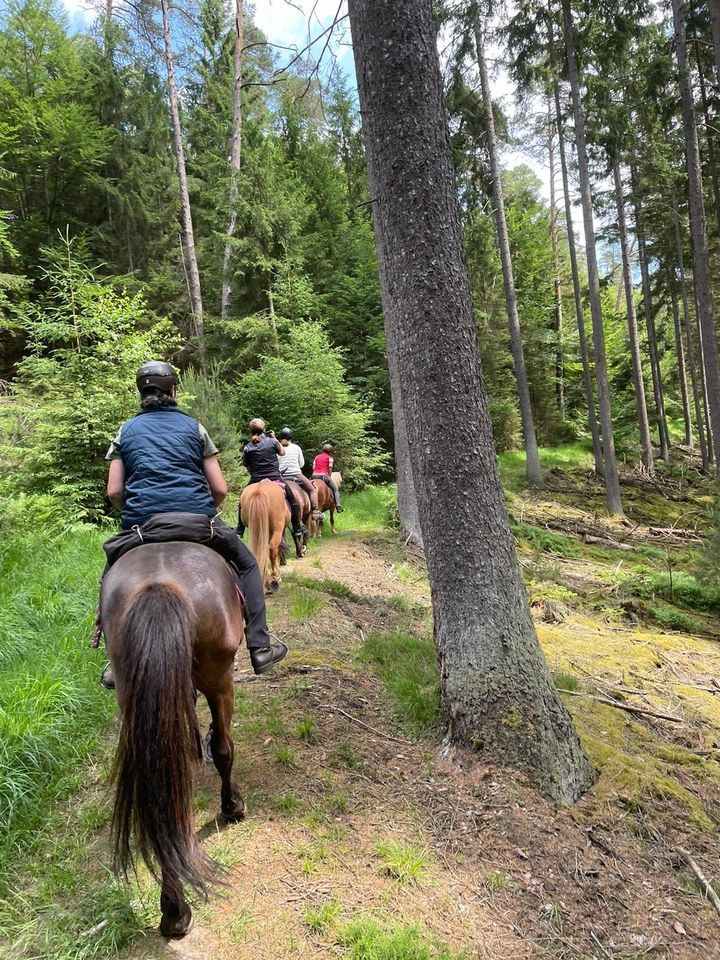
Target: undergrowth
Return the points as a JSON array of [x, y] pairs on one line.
[[407, 666], [52, 708]]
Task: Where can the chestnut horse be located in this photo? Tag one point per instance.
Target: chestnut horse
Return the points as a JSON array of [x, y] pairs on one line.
[[173, 625], [326, 501], [265, 513]]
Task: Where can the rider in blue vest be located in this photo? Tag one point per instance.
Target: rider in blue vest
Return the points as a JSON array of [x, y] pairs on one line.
[[163, 461]]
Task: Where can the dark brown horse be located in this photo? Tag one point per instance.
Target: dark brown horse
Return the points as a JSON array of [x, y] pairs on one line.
[[303, 502], [173, 625]]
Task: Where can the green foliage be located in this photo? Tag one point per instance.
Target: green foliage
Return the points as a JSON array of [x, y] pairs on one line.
[[673, 619], [320, 919], [407, 666], [306, 389], [402, 861], [505, 424], [76, 384], [566, 681], [52, 708], [679, 587], [542, 539], [366, 939]]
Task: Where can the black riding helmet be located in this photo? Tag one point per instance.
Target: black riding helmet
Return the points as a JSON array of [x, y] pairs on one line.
[[286, 433], [156, 375]]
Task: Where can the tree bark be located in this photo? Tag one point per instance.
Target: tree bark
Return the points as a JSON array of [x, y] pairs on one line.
[[532, 458], [696, 380], [497, 693], [708, 126], [682, 369], [701, 271], [612, 481], [646, 452], [188, 236], [408, 509], [655, 370], [235, 155], [715, 29], [577, 291], [557, 281]]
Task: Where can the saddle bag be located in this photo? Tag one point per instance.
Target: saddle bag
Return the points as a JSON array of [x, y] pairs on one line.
[[165, 527]]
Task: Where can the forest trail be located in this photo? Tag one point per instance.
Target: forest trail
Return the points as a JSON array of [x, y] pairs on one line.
[[363, 842]]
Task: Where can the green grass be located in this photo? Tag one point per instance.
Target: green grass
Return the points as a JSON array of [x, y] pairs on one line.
[[319, 920], [680, 588], [403, 862], [307, 730], [566, 456], [305, 604], [327, 585], [284, 756], [369, 509], [542, 539], [566, 681], [366, 939], [407, 666], [673, 619], [52, 708]]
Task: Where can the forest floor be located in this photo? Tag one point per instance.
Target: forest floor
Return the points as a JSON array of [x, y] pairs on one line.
[[363, 842]]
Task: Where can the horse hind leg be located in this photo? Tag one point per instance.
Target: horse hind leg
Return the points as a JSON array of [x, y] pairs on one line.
[[176, 920], [232, 804]]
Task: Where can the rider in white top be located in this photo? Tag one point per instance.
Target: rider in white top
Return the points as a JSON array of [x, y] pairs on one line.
[[290, 466]]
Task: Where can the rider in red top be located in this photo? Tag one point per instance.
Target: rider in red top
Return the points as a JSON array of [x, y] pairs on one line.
[[322, 470]]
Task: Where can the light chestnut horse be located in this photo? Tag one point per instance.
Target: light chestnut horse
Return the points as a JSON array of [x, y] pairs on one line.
[[265, 513], [173, 625]]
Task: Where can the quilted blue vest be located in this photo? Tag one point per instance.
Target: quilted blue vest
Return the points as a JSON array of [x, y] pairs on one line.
[[163, 457]]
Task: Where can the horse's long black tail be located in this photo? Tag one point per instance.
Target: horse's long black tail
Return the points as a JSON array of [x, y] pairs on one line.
[[157, 749]]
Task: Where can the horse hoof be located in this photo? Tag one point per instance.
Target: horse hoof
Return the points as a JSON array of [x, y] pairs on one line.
[[273, 587], [237, 811], [176, 929]]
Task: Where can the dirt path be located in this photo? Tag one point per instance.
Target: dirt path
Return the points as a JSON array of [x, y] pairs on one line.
[[351, 820]]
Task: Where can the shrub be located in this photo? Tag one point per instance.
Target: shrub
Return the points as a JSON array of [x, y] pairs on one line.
[[306, 389], [75, 386]]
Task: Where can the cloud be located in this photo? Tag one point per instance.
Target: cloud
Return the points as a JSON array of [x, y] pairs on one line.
[[292, 23], [79, 8]]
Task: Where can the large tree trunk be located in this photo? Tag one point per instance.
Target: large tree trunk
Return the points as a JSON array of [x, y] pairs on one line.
[[235, 153], [577, 291], [557, 281], [715, 28], [612, 481], [682, 369], [188, 236], [708, 130], [532, 459], [408, 509], [696, 380], [646, 453], [701, 271], [655, 370], [497, 693]]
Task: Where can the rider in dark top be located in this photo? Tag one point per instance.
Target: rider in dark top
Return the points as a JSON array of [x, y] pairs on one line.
[[163, 461], [260, 458]]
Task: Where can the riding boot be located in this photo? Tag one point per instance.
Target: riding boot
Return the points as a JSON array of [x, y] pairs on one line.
[[240, 528]]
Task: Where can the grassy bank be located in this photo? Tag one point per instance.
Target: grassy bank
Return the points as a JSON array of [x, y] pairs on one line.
[[52, 709]]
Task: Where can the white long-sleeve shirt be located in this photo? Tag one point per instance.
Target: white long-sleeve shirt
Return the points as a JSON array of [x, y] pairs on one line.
[[293, 461]]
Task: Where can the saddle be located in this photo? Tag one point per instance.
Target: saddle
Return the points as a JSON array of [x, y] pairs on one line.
[[164, 527]]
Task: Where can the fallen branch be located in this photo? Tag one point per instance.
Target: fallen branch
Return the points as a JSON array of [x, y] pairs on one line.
[[361, 723], [623, 706], [705, 885], [609, 544]]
